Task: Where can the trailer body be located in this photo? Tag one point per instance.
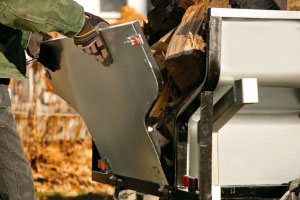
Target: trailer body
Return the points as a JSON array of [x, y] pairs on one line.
[[249, 141]]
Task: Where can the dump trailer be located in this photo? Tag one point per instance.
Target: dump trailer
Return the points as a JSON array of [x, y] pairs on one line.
[[236, 136]]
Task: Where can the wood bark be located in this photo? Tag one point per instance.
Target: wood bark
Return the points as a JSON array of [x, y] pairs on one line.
[[293, 4], [160, 104], [185, 48], [282, 4], [181, 51], [159, 49], [185, 51]]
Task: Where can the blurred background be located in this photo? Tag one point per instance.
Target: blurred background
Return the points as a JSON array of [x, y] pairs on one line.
[[56, 140], [110, 9]]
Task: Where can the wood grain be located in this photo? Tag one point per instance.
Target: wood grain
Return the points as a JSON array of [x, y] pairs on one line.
[[185, 48], [293, 4]]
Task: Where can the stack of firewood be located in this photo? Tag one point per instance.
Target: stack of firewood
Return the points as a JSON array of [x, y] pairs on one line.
[[176, 33]]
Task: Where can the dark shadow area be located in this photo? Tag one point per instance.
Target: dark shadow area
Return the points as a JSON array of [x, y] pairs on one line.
[[50, 55]]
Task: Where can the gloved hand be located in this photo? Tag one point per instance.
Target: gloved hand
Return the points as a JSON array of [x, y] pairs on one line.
[[295, 187], [35, 41], [293, 192], [89, 39]]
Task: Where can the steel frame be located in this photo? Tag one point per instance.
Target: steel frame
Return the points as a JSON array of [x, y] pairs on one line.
[[222, 113]]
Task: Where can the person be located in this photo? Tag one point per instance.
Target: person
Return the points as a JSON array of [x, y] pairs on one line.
[[17, 19]]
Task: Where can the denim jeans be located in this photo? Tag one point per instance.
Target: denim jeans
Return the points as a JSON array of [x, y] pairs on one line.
[[16, 181]]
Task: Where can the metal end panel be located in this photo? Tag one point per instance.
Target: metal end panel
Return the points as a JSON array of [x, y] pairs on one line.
[[262, 44], [114, 101]]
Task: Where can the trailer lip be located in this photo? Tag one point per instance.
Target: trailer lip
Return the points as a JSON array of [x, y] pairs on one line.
[[225, 71], [254, 13]]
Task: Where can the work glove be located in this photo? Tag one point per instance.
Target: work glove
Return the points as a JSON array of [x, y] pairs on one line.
[[293, 193], [295, 186], [90, 40], [34, 44]]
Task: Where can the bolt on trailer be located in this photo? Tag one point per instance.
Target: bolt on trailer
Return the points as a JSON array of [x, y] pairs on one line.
[[236, 136]]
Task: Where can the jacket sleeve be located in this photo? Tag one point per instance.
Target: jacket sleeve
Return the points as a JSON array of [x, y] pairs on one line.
[[63, 16]]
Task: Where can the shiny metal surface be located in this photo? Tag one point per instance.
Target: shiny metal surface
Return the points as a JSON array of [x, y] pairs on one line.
[[259, 150], [262, 44], [114, 101], [268, 50], [259, 144], [192, 162], [244, 92], [275, 101]]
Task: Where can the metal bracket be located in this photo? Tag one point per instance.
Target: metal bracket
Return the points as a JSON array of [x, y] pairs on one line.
[[244, 91], [205, 146]]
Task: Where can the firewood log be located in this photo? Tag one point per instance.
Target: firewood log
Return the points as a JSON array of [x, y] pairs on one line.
[[161, 20], [185, 48], [293, 4], [159, 49], [182, 49]]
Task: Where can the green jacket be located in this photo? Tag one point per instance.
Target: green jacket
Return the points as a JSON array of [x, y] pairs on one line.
[[18, 17]]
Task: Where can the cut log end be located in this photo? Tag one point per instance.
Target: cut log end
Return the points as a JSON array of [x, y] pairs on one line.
[[293, 4], [185, 48]]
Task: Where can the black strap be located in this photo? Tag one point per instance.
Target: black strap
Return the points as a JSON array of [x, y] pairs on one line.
[[4, 81], [11, 47], [4, 196]]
